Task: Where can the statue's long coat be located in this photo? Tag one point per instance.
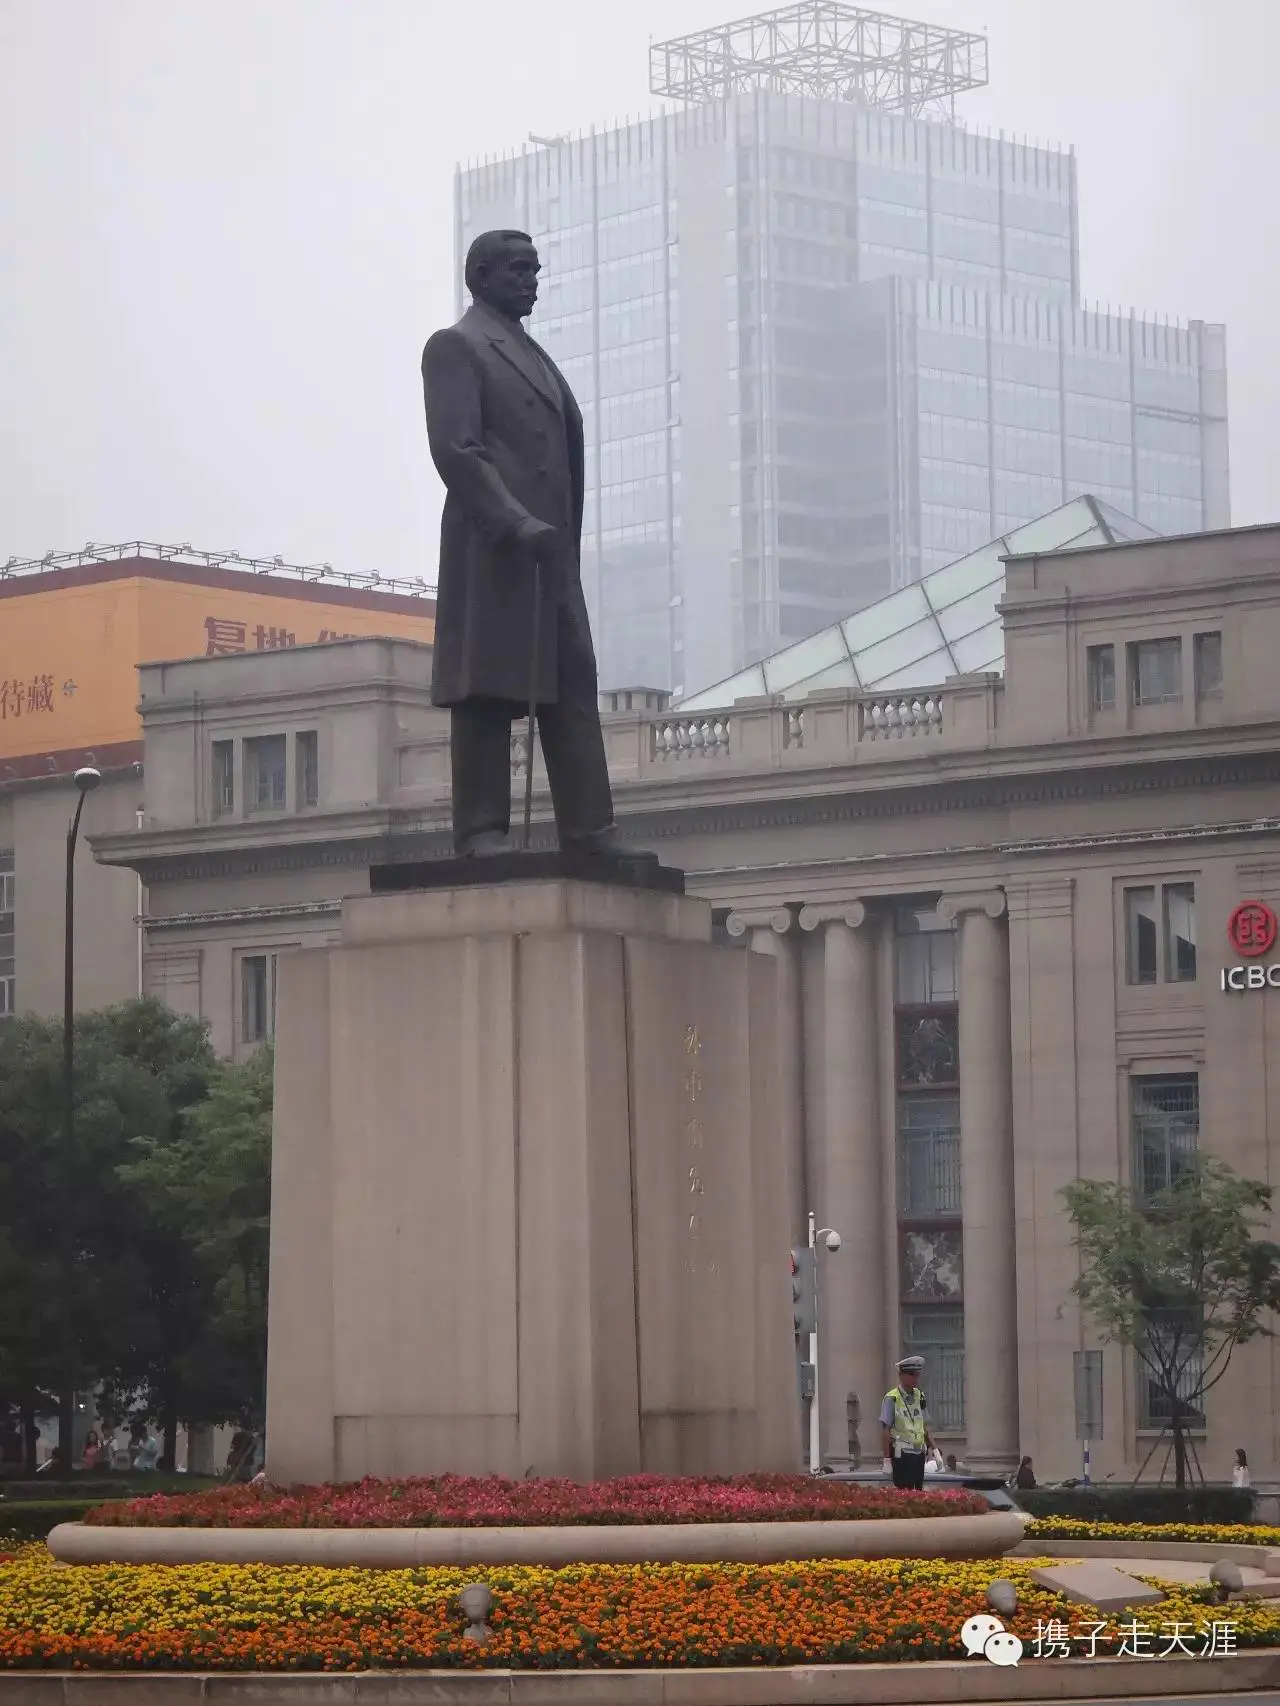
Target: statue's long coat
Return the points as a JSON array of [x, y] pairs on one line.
[[506, 437]]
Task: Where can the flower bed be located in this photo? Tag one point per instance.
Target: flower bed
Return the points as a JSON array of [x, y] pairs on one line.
[[257, 1618], [1207, 1533], [460, 1501]]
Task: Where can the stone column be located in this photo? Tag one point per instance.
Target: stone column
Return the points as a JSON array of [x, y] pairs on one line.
[[986, 1182], [772, 932], [849, 1195]]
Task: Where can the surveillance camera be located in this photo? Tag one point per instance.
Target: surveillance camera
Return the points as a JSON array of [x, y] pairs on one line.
[[832, 1242]]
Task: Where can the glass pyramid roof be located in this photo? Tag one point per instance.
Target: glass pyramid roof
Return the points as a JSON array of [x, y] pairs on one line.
[[944, 624]]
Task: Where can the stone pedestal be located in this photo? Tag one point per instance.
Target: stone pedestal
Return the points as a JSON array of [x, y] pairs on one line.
[[528, 1193]]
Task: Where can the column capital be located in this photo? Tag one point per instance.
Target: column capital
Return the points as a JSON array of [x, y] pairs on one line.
[[779, 919], [854, 913], [953, 907]]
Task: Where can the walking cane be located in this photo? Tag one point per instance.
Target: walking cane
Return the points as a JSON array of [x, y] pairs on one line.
[[533, 699]]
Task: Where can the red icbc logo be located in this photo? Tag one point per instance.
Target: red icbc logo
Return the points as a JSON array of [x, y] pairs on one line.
[[1252, 929]]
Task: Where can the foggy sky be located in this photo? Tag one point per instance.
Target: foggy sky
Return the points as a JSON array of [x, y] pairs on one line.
[[225, 232]]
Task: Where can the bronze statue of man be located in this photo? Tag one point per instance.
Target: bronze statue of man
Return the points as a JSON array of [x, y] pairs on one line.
[[506, 437]]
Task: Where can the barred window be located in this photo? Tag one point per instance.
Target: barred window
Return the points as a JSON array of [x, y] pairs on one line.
[[1165, 1127], [938, 1336], [1172, 1369], [928, 1156]]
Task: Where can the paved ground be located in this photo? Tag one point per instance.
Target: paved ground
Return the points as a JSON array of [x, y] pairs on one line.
[[1259, 1698]]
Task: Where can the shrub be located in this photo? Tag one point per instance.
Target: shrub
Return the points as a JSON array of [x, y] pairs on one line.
[[33, 1518], [1140, 1504]]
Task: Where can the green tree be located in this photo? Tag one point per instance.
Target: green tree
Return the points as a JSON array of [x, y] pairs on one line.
[[53, 1197], [156, 1365], [211, 1185], [1181, 1279]]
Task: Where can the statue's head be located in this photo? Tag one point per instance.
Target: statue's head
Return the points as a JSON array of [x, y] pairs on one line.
[[502, 272]]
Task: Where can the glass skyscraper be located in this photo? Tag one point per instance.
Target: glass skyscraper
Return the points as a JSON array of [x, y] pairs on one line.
[[826, 340]]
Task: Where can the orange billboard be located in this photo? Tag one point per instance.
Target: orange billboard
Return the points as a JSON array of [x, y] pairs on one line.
[[69, 653]]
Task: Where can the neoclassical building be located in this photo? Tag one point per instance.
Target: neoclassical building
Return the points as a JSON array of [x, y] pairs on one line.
[[1004, 905]]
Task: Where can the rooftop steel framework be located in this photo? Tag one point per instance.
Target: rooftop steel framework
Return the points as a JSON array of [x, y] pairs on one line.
[[829, 49], [370, 581]]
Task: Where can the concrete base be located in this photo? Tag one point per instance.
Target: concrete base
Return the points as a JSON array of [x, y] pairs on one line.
[[528, 1193], [988, 1536], [941, 1683]]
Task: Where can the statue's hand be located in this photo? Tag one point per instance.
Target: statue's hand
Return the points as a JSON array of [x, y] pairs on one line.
[[539, 537]]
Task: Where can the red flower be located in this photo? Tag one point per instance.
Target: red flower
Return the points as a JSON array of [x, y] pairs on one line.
[[463, 1501]]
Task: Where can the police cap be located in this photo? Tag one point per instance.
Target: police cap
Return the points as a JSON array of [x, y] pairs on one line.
[[911, 1365]]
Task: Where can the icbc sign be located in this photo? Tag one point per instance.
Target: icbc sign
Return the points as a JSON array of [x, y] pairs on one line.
[[1252, 930]]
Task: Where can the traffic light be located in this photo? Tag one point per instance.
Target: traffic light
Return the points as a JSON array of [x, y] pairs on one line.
[[804, 1292]]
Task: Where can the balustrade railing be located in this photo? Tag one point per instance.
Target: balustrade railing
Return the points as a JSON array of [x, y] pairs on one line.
[[828, 729], [900, 718], [743, 733], [690, 737]]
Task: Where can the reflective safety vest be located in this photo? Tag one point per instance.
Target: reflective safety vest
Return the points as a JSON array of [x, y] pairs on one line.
[[908, 1419]]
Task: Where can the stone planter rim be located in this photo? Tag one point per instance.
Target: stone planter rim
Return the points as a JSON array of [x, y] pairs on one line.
[[989, 1535]]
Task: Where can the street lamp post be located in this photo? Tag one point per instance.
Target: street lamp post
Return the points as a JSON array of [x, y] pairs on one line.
[[831, 1241], [86, 780]]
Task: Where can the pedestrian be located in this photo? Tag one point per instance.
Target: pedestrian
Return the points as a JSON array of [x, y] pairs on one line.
[[1026, 1475], [904, 1431], [146, 1449], [240, 1455], [92, 1449], [1240, 1473], [952, 1466]]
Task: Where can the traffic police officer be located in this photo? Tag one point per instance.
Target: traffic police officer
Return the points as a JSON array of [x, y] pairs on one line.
[[906, 1435]]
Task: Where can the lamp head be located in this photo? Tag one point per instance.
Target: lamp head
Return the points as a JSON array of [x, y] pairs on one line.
[[87, 779]]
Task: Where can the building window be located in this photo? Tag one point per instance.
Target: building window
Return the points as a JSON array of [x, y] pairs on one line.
[[928, 1156], [257, 998], [1165, 1128], [1179, 932], [1102, 678], [224, 778], [308, 760], [264, 773], [925, 955], [6, 936], [1171, 1368], [1160, 933], [938, 1336], [1142, 943], [1208, 665], [1155, 672]]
